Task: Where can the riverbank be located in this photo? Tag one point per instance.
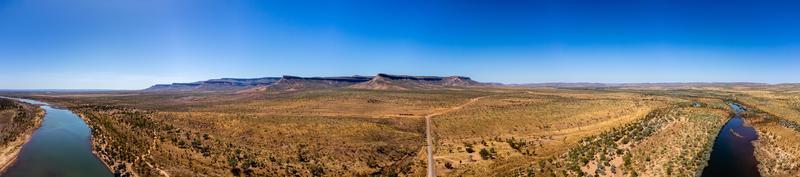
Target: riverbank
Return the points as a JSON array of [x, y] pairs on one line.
[[732, 153], [10, 151], [777, 145], [107, 160]]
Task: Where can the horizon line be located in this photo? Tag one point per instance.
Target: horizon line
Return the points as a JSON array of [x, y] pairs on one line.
[[609, 84]]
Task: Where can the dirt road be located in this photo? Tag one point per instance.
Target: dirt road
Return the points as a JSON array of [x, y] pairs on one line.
[[429, 139]]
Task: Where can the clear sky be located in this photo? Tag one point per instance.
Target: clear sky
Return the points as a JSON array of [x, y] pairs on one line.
[[119, 44]]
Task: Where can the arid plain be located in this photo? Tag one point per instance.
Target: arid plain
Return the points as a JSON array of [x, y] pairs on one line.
[[377, 126]]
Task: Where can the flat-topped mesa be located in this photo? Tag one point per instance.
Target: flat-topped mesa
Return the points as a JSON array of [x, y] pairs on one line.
[[244, 82], [172, 87], [214, 85], [293, 83], [460, 81], [407, 77], [405, 82], [355, 78]]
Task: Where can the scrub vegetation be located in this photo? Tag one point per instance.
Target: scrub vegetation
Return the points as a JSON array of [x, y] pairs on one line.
[[579, 133]]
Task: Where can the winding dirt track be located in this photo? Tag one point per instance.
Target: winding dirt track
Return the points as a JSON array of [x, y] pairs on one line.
[[144, 158], [429, 139]]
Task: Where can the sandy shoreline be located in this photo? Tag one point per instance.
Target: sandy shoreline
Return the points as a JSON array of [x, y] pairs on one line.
[[9, 153]]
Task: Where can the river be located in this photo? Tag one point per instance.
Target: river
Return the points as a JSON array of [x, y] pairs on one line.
[[732, 155], [60, 147]]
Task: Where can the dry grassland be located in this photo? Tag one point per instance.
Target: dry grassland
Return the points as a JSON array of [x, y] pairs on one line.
[[525, 132], [338, 132]]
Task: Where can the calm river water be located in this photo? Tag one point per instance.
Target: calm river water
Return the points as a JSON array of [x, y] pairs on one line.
[[60, 147], [732, 155]]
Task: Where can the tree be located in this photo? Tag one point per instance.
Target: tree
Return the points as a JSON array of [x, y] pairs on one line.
[[485, 154], [469, 148]]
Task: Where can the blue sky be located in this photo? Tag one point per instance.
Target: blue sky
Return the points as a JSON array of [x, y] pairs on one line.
[[98, 44]]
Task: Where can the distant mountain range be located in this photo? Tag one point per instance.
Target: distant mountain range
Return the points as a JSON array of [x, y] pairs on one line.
[[293, 83], [398, 82]]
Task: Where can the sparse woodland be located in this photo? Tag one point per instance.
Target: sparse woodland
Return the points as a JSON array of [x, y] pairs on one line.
[[580, 133]]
